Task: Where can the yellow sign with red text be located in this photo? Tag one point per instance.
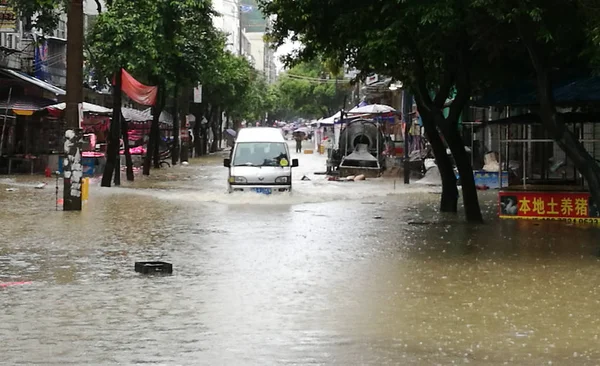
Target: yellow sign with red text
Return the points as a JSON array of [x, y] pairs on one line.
[[577, 207]]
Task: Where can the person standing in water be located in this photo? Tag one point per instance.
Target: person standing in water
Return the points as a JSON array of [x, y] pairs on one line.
[[299, 137]]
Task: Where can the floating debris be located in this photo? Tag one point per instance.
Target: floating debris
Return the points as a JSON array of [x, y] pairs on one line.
[[154, 267], [12, 284]]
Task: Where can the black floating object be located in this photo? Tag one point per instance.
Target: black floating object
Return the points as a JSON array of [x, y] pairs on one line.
[[154, 267]]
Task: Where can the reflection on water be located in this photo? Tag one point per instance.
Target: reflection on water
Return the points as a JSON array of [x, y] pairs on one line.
[[346, 273]]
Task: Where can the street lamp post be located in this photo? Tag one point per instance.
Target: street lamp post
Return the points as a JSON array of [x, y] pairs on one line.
[[73, 169]]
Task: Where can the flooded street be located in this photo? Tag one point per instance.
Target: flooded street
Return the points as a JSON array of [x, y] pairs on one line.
[[364, 273]]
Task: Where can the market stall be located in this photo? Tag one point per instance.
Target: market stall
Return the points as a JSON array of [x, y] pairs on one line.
[[543, 183]]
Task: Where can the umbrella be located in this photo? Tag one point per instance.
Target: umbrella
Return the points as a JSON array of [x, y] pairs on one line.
[[231, 132], [372, 109], [305, 130]]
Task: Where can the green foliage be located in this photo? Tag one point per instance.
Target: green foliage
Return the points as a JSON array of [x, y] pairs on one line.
[[174, 42], [413, 41], [43, 13], [309, 90], [157, 40]]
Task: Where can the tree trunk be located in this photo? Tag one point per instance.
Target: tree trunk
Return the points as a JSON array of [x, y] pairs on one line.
[[552, 121], [175, 148], [204, 141], [156, 151], [73, 169], [184, 112], [566, 140], [117, 177], [449, 199], [197, 137], [463, 163], [128, 161], [151, 153], [151, 144], [213, 125], [220, 131], [112, 150]]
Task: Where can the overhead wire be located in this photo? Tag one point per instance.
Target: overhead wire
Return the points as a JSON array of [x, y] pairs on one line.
[[315, 80]]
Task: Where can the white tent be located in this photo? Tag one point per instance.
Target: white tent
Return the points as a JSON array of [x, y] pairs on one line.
[[372, 109], [331, 120], [87, 108]]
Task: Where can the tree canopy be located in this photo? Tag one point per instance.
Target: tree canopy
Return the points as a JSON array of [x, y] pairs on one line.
[[426, 45], [310, 90], [44, 14], [439, 46]]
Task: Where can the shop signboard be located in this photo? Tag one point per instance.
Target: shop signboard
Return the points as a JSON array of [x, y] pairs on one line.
[[198, 94], [8, 18], [372, 79], [575, 207]]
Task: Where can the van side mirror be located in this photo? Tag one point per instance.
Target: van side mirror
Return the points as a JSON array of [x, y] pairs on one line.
[[294, 163], [227, 163]]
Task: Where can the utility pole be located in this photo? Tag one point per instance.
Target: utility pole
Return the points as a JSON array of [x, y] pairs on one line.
[[73, 169]]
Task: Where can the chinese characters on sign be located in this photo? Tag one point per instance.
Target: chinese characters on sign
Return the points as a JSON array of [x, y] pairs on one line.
[[571, 206]]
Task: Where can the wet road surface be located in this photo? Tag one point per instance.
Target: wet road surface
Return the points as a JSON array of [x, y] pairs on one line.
[[358, 273]]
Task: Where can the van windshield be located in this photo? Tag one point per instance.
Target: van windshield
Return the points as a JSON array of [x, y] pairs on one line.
[[260, 154]]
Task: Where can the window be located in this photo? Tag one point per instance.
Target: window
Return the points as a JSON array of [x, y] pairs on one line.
[[9, 41], [260, 154], [61, 30]]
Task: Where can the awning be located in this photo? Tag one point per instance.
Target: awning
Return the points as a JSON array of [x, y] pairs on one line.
[[566, 92], [34, 81], [25, 105], [135, 115], [87, 108], [165, 117]]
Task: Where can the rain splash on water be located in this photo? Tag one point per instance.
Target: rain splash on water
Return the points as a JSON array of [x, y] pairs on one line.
[[336, 273]]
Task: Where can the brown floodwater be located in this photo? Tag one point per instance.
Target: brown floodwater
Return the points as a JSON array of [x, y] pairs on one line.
[[364, 273]]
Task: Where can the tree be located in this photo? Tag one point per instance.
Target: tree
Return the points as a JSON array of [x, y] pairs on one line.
[[164, 43], [425, 45], [311, 90], [43, 14], [225, 90]]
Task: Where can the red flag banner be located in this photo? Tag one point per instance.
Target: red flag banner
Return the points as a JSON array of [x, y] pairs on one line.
[[138, 92]]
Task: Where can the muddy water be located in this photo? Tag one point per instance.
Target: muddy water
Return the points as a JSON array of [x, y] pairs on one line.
[[339, 273]]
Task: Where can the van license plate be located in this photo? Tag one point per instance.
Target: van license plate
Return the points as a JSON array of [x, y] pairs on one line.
[[262, 190]]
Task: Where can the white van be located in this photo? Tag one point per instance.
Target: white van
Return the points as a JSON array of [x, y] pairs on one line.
[[260, 162]]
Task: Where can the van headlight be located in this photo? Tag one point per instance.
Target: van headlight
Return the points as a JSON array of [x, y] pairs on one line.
[[238, 180], [282, 180]]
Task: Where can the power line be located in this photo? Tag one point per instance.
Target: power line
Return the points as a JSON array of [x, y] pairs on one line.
[[313, 79]]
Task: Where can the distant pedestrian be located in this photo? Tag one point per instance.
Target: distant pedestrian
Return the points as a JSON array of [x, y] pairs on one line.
[[298, 137]]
